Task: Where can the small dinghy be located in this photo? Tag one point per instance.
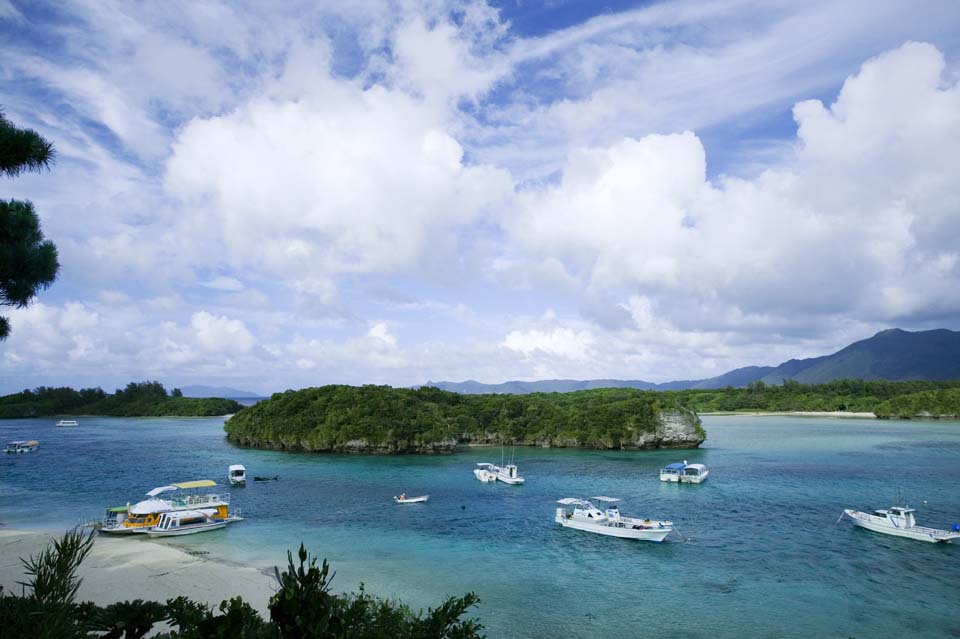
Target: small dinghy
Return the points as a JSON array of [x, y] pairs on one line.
[[274, 478], [403, 499], [899, 522]]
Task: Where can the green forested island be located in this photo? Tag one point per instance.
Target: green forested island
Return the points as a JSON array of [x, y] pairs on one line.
[[143, 399], [397, 420], [884, 399]]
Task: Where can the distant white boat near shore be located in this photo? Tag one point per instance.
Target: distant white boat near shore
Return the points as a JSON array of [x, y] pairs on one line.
[[899, 522], [68, 422], [403, 499]]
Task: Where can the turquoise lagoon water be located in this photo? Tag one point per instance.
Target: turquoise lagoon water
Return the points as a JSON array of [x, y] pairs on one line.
[[763, 558]]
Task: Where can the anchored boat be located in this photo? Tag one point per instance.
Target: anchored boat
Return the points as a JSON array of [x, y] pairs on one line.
[[68, 422], [189, 522], [23, 446], [682, 472], [509, 475], [587, 517], [237, 474], [403, 499], [145, 515], [486, 472], [900, 522]]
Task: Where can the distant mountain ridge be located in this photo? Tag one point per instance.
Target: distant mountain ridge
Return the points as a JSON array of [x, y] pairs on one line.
[[216, 391], [894, 355]]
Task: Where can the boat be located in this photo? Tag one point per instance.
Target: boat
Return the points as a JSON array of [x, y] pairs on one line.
[[694, 474], [145, 515], [581, 514], [509, 475], [114, 516], [68, 422], [671, 472], [403, 499], [22, 446], [189, 522], [486, 472], [237, 474], [899, 521], [274, 478]]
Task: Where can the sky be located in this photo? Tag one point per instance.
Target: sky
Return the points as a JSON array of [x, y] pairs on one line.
[[280, 195]]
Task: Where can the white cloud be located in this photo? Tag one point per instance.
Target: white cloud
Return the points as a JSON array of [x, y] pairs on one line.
[[219, 334]]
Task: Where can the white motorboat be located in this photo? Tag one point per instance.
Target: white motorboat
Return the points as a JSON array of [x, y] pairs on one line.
[[509, 475], [23, 446], [189, 522], [694, 474], [237, 474], [899, 521], [587, 517], [672, 472], [68, 422], [486, 472], [403, 499]]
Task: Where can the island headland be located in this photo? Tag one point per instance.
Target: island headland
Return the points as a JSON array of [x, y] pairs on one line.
[[386, 420]]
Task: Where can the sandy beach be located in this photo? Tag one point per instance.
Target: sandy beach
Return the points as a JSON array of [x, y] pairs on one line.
[[119, 569], [795, 413]]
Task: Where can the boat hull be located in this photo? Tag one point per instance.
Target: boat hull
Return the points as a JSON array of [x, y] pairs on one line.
[[190, 530], [694, 479], [673, 478], [513, 481], [879, 525], [655, 535], [412, 500]]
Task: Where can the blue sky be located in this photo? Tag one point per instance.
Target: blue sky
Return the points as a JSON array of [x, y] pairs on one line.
[[275, 197]]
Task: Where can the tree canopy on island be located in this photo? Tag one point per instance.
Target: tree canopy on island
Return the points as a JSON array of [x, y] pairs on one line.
[[138, 399], [28, 262], [386, 419]]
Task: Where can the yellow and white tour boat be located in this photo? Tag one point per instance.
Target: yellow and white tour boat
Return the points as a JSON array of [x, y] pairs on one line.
[[183, 496]]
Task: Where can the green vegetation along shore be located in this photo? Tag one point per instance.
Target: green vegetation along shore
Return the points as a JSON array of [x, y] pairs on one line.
[[893, 400], [381, 419], [144, 399]]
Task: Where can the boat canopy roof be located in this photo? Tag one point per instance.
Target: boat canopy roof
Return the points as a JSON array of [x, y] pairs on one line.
[[148, 506], [567, 501], [199, 483], [234, 467], [700, 467], [118, 509], [609, 500], [485, 465], [190, 514], [675, 466]]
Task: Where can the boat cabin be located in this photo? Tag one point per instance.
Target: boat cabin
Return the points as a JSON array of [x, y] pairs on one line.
[[899, 516], [510, 471], [116, 516], [237, 474], [186, 518], [694, 473], [583, 509]]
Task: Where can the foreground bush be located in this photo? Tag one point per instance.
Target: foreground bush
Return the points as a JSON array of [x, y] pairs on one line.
[[302, 608]]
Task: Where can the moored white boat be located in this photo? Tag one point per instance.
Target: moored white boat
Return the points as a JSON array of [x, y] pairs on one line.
[[671, 472], [68, 422], [694, 474], [403, 499], [587, 517], [486, 472], [22, 446], [900, 522], [237, 474], [509, 475], [189, 522]]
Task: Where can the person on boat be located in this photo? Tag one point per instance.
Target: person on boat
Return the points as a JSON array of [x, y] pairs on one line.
[[403, 496]]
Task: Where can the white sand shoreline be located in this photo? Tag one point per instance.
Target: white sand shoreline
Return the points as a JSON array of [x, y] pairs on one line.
[[794, 413], [121, 568]]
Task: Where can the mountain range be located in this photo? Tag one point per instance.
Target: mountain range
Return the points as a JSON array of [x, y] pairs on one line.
[[893, 354]]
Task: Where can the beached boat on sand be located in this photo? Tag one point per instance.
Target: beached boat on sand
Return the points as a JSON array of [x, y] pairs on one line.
[[189, 522], [587, 517], [144, 515], [899, 522]]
